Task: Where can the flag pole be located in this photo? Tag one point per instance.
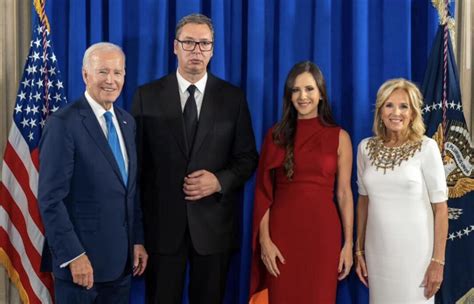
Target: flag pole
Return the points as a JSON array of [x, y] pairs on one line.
[[39, 7], [445, 74]]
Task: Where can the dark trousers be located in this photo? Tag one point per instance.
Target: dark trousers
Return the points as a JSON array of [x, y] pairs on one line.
[[165, 276], [114, 292]]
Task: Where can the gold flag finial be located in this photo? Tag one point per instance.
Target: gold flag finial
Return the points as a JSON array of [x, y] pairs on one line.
[[444, 18], [39, 7]]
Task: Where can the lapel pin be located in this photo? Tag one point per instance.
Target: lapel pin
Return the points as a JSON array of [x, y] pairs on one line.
[[124, 122]]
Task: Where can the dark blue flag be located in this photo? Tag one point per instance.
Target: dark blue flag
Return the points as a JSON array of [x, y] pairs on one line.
[[446, 124]]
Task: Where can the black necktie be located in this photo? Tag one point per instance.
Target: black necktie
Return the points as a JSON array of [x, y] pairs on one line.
[[190, 116]]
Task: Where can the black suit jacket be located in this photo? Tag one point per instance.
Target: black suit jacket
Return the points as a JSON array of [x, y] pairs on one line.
[[224, 145]]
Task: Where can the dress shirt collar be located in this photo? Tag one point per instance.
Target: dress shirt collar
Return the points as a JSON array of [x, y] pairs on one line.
[[184, 84], [98, 110]]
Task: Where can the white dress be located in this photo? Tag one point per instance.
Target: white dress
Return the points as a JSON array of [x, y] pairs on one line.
[[399, 233]]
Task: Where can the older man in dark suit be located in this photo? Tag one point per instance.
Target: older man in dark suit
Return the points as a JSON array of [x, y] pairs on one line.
[[196, 149], [87, 188]]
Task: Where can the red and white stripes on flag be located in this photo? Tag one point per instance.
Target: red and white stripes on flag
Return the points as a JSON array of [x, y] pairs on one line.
[[22, 237]]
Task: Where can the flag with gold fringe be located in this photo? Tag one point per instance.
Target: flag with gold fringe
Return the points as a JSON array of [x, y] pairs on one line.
[[444, 119], [40, 93]]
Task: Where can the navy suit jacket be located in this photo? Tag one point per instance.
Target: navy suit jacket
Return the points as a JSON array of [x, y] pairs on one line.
[[84, 203]]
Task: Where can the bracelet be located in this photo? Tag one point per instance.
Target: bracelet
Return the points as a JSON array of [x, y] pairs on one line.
[[437, 261], [359, 252]]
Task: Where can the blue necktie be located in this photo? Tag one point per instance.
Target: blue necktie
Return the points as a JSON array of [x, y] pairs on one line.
[[114, 144]]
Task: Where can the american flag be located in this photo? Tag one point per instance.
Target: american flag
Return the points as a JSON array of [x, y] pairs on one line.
[[40, 93]]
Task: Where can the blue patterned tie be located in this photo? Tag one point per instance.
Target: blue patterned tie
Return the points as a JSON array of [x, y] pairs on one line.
[[114, 144]]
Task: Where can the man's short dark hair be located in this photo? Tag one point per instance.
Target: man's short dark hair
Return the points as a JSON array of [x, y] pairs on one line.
[[196, 19]]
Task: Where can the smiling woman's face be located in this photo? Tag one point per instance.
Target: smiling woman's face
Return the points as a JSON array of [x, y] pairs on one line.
[[396, 113], [305, 96]]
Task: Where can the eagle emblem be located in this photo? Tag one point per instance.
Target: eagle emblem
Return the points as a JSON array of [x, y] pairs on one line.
[[467, 298], [458, 158]]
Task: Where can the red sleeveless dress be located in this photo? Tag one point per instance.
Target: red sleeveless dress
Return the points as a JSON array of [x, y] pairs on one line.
[[304, 221]]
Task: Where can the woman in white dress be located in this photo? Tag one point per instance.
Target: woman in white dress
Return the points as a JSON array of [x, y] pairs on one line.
[[402, 222]]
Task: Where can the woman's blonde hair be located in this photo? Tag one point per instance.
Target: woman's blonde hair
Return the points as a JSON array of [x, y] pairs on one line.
[[416, 128]]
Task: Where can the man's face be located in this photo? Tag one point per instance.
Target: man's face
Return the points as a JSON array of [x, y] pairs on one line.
[[104, 76], [193, 64]]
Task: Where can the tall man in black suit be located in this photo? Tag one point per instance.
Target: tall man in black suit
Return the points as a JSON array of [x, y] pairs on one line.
[[196, 149]]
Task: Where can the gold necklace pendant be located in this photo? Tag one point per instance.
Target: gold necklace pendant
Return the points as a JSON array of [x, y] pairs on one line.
[[383, 157]]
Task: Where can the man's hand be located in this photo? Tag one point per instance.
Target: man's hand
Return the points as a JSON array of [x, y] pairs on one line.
[[81, 271], [140, 259], [200, 184]]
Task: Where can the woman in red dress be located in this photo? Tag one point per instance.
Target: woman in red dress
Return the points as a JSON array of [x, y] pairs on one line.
[[297, 255]]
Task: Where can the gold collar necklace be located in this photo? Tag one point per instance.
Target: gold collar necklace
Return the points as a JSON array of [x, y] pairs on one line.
[[383, 157]]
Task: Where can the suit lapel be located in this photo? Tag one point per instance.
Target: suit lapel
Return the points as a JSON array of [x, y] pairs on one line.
[[171, 107], [206, 116], [93, 128]]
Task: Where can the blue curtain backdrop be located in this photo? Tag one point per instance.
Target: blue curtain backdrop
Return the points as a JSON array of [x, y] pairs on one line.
[[358, 45]]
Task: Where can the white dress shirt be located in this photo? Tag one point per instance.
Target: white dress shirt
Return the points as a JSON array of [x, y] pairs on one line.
[[183, 85], [99, 112]]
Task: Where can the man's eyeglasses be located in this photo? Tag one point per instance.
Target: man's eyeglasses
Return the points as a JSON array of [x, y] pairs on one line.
[[190, 45]]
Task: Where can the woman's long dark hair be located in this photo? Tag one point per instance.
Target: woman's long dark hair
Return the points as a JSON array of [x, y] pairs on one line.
[[284, 131]]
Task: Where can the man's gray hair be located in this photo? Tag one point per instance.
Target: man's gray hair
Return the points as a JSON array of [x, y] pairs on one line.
[[100, 46], [195, 19]]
